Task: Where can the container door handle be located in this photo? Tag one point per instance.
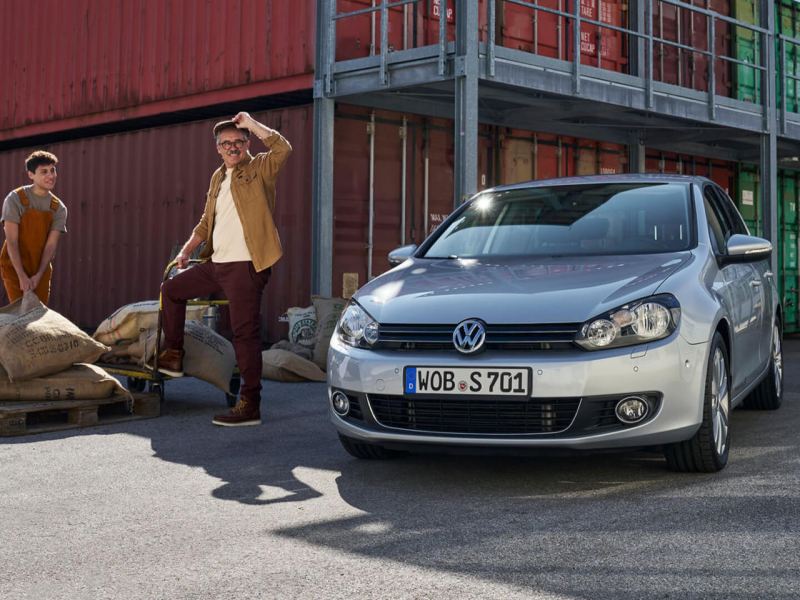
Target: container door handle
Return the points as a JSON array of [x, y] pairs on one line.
[[755, 283]]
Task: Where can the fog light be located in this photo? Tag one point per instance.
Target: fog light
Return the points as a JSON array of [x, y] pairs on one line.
[[631, 410], [341, 404]]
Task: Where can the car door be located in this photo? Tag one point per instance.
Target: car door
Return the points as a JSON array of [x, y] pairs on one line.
[[761, 284], [737, 294]]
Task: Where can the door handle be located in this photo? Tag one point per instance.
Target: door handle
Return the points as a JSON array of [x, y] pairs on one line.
[[769, 274], [755, 283]]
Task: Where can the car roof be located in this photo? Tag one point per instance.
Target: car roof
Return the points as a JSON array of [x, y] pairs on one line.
[[604, 179]]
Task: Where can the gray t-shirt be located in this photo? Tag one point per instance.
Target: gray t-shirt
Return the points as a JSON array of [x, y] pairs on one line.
[[13, 209]]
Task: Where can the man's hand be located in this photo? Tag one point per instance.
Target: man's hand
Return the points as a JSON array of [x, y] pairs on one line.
[[243, 120], [182, 260], [35, 280]]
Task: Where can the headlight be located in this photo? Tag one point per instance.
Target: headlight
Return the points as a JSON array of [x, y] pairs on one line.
[[638, 322], [356, 327]]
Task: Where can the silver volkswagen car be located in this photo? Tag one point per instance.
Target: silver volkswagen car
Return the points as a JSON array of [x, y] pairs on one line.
[[581, 313]]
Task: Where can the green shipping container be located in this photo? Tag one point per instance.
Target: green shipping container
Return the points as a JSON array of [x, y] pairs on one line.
[[788, 188], [787, 22], [747, 196], [748, 49], [748, 201]]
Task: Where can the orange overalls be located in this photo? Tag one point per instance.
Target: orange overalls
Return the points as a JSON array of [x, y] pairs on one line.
[[34, 227]]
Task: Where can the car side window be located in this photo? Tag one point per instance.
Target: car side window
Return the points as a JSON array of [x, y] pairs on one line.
[[732, 214], [718, 229]]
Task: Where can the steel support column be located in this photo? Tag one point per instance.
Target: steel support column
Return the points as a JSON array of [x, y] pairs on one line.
[[636, 155], [636, 10], [769, 140], [466, 101], [322, 160]]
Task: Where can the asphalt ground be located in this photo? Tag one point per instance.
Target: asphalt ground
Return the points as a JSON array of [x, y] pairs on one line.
[[176, 508]]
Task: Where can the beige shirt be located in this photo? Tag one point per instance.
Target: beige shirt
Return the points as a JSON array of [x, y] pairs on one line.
[[228, 235]]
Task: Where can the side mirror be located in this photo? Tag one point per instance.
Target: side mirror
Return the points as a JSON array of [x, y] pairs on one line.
[[401, 254], [747, 248]]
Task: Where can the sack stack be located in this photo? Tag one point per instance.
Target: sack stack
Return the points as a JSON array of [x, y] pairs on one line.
[[303, 357], [131, 331], [44, 356]]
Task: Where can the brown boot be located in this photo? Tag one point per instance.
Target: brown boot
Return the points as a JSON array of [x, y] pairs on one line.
[[170, 362], [246, 412]]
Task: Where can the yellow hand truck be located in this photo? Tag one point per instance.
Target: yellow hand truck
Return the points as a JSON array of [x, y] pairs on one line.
[[141, 378]]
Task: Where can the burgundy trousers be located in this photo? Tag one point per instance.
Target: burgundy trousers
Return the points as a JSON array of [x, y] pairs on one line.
[[243, 287]]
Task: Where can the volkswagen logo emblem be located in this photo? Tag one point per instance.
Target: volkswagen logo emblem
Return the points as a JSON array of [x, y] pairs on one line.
[[469, 336]]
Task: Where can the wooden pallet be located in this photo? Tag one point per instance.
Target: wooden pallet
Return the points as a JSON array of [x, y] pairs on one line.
[[23, 418]]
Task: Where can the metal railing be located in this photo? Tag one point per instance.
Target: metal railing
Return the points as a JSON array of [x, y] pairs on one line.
[[788, 78], [381, 12]]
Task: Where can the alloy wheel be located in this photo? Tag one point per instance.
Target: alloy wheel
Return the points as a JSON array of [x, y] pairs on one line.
[[720, 402], [777, 359]]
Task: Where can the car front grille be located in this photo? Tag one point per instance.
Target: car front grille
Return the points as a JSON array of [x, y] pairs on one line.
[[475, 415], [498, 337]]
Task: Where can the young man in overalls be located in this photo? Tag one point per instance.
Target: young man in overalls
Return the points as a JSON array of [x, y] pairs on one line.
[[33, 220]]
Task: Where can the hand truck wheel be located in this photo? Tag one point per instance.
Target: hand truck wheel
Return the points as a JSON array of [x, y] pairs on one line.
[[157, 387], [136, 384]]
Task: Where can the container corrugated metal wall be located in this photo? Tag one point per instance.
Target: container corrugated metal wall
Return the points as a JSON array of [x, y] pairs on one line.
[[110, 56], [132, 197], [681, 25], [749, 202], [519, 27]]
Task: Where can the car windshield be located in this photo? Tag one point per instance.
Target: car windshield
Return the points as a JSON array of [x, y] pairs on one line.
[[574, 220]]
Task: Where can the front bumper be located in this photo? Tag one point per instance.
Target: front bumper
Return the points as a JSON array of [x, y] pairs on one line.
[[672, 368]]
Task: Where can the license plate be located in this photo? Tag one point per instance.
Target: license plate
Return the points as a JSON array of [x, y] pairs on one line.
[[468, 382]]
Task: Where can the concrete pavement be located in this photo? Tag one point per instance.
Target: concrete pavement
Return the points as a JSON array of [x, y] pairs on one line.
[[177, 508]]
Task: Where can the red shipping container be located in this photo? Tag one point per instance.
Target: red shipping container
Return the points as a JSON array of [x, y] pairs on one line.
[[352, 186], [600, 158], [409, 26], [688, 68], [109, 61], [541, 32], [356, 34], [721, 172], [133, 197]]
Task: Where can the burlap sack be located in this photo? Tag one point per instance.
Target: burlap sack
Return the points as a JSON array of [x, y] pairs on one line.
[[328, 312], [79, 382], [130, 321], [302, 325], [41, 342], [301, 351], [282, 365], [209, 356]]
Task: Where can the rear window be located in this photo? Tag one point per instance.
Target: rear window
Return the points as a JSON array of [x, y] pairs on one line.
[[580, 220]]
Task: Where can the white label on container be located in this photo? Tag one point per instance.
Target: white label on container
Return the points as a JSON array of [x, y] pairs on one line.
[[747, 197]]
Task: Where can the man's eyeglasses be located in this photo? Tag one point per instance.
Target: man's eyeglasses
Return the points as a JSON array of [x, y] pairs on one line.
[[232, 144]]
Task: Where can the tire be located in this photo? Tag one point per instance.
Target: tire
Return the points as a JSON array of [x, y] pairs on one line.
[[157, 388], [707, 451], [365, 451], [768, 394]]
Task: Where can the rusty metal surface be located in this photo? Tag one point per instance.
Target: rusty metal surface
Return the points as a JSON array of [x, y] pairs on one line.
[[106, 61]]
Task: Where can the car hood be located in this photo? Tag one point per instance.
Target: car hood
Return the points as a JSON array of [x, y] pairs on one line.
[[521, 290]]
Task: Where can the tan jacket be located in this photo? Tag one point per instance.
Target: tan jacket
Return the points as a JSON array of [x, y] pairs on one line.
[[253, 191]]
